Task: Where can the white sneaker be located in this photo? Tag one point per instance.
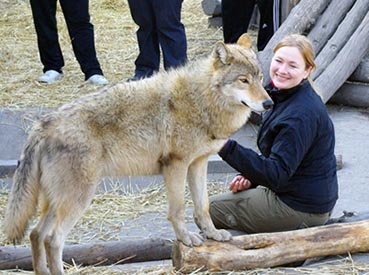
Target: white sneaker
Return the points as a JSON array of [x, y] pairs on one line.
[[98, 79], [50, 76]]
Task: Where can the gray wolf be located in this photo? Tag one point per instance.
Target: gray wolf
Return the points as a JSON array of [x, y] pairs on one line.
[[169, 123]]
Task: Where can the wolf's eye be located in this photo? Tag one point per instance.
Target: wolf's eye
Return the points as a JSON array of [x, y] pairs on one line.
[[244, 80]]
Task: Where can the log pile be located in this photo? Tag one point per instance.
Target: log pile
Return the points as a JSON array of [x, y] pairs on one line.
[[339, 31]]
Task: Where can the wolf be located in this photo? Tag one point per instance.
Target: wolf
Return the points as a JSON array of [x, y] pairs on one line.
[[169, 124]]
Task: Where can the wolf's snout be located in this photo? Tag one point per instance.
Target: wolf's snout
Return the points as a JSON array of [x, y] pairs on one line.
[[267, 104]]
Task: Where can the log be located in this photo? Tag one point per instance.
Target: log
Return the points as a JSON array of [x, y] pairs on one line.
[[361, 74], [272, 249], [346, 61], [343, 33], [103, 253], [328, 22], [302, 16], [352, 94]]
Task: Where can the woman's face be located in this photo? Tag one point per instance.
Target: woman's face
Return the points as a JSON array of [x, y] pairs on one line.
[[288, 68]]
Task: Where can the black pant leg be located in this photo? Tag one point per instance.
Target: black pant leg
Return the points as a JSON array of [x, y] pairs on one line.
[[236, 15], [44, 18], [148, 60], [171, 32], [266, 26], [81, 32]]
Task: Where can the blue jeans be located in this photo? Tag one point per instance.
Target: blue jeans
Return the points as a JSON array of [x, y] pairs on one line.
[[160, 26]]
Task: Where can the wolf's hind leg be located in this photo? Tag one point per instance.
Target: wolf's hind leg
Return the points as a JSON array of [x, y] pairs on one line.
[[37, 238], [197, 175], [175, 177], [66, 216]]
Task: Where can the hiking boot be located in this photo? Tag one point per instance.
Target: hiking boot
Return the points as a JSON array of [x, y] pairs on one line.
[[50, 76], [98, 79]]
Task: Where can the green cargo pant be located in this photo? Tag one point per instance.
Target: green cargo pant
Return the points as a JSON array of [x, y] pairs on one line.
[[259, 210]]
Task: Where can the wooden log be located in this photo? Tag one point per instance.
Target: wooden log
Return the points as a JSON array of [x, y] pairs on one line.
[[352, 94], [212, 7], [343, 33], [273, 249], [302, 16], [103, 253], [361, 73], [328, 22], [346, 61]]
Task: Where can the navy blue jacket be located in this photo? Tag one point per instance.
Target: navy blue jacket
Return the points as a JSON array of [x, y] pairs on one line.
[[296, 140]]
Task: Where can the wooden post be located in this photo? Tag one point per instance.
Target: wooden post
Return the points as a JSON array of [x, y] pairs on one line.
[[273, 249]]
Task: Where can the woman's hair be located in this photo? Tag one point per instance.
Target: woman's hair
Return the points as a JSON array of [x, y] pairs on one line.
[[303, 44]]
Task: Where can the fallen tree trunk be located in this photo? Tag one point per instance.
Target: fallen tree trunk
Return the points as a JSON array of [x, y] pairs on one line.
[[273, 249], [103, 253], [346, 61]]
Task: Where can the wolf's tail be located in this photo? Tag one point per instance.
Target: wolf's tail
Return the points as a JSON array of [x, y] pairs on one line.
[[23, 196]]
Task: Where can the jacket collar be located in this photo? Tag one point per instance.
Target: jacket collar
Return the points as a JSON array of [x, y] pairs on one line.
[[282, 95]]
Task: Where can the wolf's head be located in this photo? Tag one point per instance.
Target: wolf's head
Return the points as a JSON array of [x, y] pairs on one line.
[[238, 76]]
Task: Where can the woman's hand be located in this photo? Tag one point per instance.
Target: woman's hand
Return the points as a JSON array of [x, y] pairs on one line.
[[239, 183]]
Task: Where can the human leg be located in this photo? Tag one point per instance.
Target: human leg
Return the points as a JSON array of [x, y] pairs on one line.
[[259, 210], [236, 16], [44, 18], [148, 59], [171, 32], [81, 32], [269, 21]]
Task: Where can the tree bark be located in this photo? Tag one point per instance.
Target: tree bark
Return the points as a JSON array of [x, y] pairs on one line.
[[273, 249], [343, 33], [302, 17], [103, 253], [346, 61]]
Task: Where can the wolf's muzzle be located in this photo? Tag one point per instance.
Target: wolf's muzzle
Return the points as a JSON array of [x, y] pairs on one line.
[[267, 104]]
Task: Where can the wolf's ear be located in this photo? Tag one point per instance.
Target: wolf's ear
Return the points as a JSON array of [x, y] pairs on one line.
[[245, 41], [222, 53]]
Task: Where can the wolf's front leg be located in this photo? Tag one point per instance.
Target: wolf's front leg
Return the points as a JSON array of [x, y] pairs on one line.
[[197, 175], [175, 179]]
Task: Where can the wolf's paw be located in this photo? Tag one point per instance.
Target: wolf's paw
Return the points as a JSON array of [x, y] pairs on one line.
[[219, 235], [192, 239]]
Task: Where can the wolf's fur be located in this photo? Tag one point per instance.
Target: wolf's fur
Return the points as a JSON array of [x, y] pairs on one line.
[[167, 124]]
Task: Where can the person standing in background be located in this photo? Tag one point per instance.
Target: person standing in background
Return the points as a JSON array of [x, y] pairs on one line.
[[160, 26], [236, 15], [81, 32]]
